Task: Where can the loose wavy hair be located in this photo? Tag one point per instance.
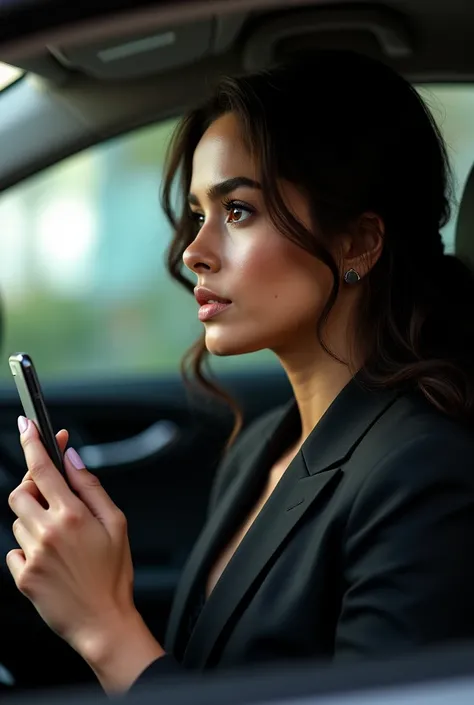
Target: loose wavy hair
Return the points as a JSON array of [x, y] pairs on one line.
[[355, 137]]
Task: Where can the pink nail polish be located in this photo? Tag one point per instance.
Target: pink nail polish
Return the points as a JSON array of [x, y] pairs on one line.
[[75, 459], [22, 424]]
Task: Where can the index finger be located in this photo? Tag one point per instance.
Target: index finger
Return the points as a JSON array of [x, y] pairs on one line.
[[62, 438], [41, 468]]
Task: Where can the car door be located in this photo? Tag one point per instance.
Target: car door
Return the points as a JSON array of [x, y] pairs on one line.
[[85, 292]]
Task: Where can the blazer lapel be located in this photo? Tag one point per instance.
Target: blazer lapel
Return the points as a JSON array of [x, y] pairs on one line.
[[292, 497], [311, 476], [347, 421]]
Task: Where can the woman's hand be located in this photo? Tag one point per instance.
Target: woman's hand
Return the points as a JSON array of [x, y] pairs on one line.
[[74, 563]]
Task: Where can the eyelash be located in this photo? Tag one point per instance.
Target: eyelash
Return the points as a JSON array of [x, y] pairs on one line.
[[229, 205]]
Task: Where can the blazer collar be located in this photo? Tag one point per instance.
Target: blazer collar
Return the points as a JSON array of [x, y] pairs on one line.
[[349, 418], [311, 473]]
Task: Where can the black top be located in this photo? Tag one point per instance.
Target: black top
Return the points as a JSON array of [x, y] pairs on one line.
[[365, 548]]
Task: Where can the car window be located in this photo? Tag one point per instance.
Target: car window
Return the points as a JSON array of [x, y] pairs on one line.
[[82, 275], [452, 106]]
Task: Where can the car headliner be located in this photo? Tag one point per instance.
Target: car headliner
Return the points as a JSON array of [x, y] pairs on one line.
[[69, 100]]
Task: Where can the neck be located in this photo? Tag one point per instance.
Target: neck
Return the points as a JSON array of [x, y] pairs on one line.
[[316, 380]]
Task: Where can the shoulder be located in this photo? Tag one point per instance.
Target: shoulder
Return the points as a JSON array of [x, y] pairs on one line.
[[413, 427], [251, 439], [407, 533], [413, 450], [414, 415]]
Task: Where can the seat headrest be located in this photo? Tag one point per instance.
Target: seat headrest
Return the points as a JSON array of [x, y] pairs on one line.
[[464, 234]]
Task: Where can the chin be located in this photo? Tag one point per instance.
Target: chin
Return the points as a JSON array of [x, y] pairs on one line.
[[221, 350], [222, 346]]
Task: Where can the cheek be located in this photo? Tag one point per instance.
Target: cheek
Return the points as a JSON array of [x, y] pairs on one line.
[[280, 272], [278, 290]]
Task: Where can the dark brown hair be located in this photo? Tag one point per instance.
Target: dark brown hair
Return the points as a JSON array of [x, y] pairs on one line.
[[357, 138]]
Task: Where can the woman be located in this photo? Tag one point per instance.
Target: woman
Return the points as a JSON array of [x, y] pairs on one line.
[[342, 525]]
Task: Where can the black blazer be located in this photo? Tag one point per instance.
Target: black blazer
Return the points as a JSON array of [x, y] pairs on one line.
[[365, 548]]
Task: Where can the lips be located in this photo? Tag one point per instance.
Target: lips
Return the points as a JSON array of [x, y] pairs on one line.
[[211, 304], [205, 296]]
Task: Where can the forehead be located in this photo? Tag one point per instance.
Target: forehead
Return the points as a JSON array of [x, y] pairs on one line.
[[221, 154]]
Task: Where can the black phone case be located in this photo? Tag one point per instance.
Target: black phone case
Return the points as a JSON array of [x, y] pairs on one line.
[[34, 407]]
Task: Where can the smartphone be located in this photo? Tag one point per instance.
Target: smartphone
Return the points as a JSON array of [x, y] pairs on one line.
[[34, 407]]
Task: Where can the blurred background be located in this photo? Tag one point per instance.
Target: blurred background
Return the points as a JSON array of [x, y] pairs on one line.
[[82, 247]]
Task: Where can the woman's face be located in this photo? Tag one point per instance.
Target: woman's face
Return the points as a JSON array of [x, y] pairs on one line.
[[276, 290]]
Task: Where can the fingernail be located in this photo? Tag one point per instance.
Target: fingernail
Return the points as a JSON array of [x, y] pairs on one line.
[[75, 459], [22, 424]]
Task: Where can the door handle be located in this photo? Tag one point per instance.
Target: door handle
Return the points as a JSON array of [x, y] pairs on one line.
[[6, 678], [131, 450]]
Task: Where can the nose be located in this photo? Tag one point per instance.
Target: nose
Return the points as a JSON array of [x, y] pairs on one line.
[[200, 257]]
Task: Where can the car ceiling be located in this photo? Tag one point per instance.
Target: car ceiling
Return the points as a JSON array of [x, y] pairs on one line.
[[95, 72]]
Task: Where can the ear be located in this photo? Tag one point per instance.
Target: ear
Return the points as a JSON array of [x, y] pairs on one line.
[[362, 248]]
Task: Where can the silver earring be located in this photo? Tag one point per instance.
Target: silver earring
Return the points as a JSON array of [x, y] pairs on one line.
[[351, 276]]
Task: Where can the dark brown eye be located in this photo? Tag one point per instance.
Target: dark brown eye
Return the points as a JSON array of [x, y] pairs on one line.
[[235, 215]]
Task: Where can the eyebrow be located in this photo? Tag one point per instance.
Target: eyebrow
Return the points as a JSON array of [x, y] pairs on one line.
[[223, 188]]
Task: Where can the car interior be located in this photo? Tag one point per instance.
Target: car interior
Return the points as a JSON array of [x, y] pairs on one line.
[[84, 127]]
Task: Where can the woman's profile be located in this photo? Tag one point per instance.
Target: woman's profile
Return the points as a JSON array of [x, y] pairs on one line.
[[311, 198]]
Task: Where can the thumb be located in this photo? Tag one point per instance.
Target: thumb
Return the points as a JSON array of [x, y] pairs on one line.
[[89, 488]]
